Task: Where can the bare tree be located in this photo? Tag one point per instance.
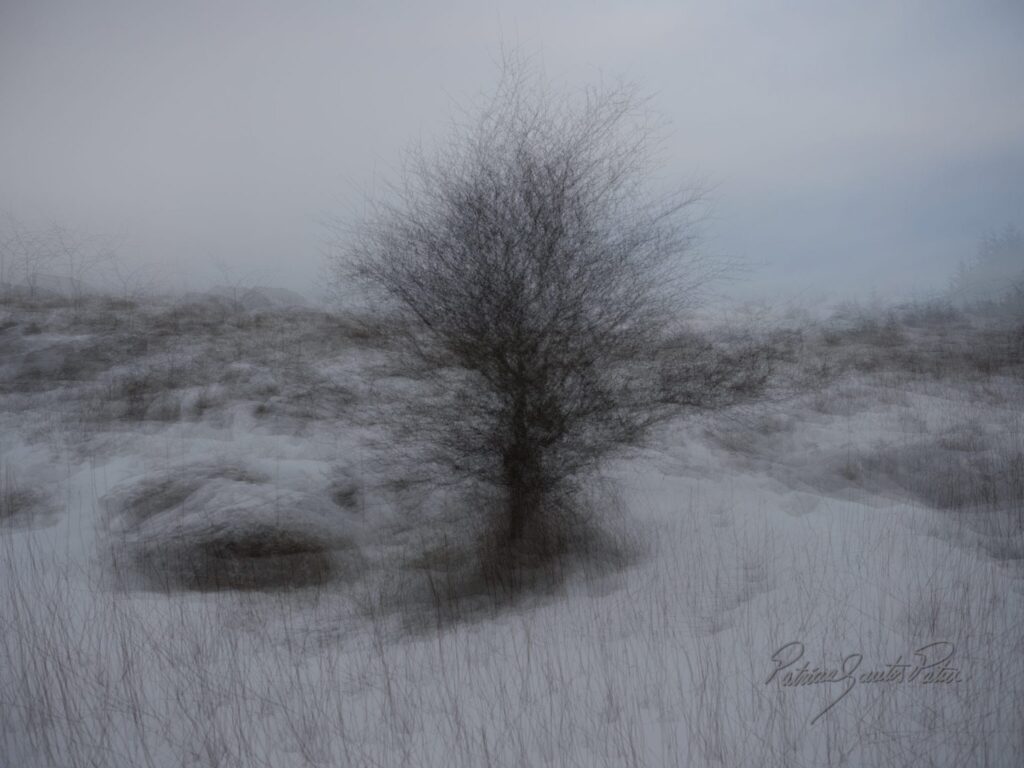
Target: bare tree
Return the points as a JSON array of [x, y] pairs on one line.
[[132, 281], [81, 255], [26, 254], [537, 276], [29, 255], [6, 259]]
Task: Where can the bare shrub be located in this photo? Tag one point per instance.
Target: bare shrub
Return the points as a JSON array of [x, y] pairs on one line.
[[698, 373], [146, 393], [930, 313], [257, 558], [930, 339], [363, 329]]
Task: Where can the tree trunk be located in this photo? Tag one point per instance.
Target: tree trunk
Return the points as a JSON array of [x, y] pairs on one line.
[[522, 475], [518, 513]]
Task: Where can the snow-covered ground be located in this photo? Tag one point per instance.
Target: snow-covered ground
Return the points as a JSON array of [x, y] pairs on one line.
[[204, 561]]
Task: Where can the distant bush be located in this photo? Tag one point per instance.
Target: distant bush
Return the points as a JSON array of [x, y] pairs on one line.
[[931, 339], [993, 281]]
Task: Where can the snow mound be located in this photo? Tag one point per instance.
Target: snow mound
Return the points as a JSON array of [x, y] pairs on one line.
[[227, 527]]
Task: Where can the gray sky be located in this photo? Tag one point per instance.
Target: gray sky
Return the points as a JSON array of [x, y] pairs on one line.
[[852, 145]]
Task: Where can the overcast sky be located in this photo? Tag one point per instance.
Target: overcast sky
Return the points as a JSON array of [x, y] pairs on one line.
[[852, 146]]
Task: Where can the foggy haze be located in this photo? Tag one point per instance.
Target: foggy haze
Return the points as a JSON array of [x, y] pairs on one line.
[[850, 147]]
